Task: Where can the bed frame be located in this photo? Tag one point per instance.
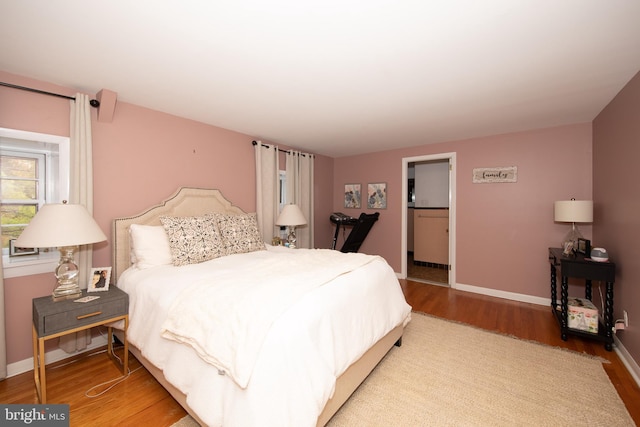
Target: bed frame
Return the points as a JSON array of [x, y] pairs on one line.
[[189, 201]]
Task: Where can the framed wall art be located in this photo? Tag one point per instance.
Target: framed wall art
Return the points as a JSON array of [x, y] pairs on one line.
[[352, 196], [495, 175], [377, 195], [99, 279]]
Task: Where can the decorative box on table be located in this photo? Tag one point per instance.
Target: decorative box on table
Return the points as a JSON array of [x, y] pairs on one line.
[[582, 315]]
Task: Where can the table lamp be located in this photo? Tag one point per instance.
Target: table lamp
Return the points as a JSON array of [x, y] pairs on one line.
[[291, 216], [573, 211], [63, 226]]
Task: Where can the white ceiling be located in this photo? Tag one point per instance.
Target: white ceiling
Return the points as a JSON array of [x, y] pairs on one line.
[[337, 77]]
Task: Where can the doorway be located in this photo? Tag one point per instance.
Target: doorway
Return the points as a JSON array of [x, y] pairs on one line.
[[439, 206]]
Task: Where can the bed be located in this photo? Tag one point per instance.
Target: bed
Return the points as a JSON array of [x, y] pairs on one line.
[[252, 334]]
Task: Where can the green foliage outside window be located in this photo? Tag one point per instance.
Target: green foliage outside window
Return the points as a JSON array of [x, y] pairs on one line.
[[19, 195]]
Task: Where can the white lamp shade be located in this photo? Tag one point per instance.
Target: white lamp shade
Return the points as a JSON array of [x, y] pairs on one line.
[[59, 225], [573, 211], [291, 215]]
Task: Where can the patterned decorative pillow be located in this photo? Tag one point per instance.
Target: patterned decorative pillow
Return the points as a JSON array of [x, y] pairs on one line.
[[193, 239], [239, 233]]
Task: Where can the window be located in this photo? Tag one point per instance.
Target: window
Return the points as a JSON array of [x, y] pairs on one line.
[[23, 184], [282, 188], [282, 198], [34, 170]]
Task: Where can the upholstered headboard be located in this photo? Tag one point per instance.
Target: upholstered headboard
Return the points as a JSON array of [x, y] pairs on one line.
[[186, 201]]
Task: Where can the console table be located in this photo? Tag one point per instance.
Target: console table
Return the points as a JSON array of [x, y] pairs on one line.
[[579, 266]]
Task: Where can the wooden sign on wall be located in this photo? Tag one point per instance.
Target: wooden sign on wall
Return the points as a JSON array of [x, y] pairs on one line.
[[494, 175]]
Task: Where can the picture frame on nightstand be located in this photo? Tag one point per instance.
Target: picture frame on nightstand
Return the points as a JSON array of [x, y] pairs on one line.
[[584, 247], [17, 251], [99, 279]]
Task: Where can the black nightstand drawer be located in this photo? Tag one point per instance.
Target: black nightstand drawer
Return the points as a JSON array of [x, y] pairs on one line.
[[51, 317]]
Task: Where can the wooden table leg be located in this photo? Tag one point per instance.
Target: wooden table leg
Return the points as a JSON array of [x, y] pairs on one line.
[[125, 358], [39, 367], [126, 346], [608, 317], [554, 300], [564, 311], [36, 368], [43, 378]]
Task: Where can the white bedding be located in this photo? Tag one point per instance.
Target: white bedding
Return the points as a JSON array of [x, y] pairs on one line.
[[225, 319], [305, 350]]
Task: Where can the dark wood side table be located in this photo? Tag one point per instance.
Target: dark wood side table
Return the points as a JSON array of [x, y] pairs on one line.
[[579, 266], [55, 319]]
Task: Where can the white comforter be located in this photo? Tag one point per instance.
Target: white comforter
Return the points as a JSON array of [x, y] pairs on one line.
[[306, 348], [225, 317]]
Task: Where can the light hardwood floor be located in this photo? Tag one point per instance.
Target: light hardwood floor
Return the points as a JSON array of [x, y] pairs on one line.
[[141, 401]]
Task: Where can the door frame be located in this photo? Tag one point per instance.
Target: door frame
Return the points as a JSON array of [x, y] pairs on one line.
[[451, 157]]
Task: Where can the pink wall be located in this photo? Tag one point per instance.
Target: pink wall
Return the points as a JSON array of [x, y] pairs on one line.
[[323, 199], [503, 230], [140, 158], [616, 150], [144, 156], [36, 113]]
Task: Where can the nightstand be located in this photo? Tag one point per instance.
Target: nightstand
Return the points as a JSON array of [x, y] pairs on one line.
[[55, 319], [582, 267]]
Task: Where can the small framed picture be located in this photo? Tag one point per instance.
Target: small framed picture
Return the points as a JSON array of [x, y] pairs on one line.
[[584, 247], [568, 248], [16, 251], [99, 279], [352, 196], [377, 195]]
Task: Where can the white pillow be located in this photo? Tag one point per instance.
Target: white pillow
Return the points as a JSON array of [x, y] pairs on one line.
[[150, 246]]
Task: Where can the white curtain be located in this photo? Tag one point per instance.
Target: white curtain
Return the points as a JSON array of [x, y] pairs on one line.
[[3, 341], [267, 180], [81, 192], [299, 168]]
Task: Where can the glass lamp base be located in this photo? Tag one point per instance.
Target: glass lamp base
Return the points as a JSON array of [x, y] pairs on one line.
[[67, 275], [64, 294], [291, 238], [570, 241]]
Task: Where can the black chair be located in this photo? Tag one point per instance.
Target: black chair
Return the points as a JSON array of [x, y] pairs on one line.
[[359, 232]]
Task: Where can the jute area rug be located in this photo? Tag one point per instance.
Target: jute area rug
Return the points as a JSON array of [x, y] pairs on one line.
[[449, 374]]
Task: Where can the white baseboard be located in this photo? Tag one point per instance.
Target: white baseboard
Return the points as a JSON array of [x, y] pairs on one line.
[[627, 360], [496, 293], [503, 294], [56, 355]]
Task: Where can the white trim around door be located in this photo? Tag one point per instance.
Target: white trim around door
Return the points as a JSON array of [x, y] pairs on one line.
[[451, 157]]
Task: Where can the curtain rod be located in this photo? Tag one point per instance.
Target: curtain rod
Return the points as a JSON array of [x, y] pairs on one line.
[[94, 102], [280, 149]]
